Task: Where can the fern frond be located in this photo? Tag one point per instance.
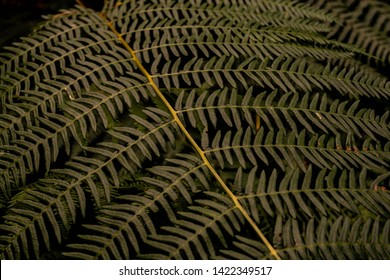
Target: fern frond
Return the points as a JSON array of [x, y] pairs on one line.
[[134, 140], [311, 112], [191, 236], [289, 150], [364, 24], [21, 155], [94, 174], [60, 36], [121, 229], [48, 206], [136, 214], [180, 176], [296, 194], [342, 238]]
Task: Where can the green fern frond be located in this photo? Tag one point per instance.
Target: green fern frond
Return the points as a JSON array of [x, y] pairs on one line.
[[290, 151], [297, 193], [50, 206], [364, 24], [275, 109], [193, 236], [121, 229], [250, 129]]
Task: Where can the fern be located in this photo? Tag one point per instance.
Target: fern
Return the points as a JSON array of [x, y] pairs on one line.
[[364, 25], [197, 130]]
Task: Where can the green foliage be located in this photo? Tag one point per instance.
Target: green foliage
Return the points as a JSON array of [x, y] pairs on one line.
[[197, 130]]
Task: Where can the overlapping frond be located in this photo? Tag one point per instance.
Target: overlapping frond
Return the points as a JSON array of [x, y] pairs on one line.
[[95, 174], [50, 206], [119, 229], [124, 226]]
